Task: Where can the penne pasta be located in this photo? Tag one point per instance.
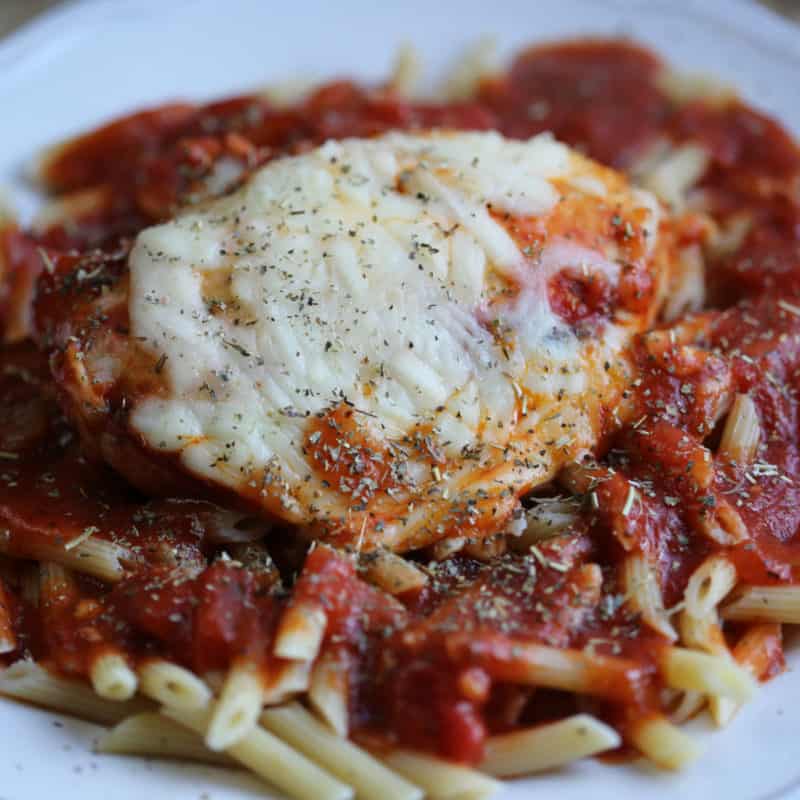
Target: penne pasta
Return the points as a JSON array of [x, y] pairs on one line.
[[407, 71], [28, 681], [442, 780], [547, 518], [742, 431], [154, 735], [755, 651], [643, 594], [478, 62], [328, 693], [392, 573], [368, 776], [760, 648], [664, 744], [236, 713], [700, 672], [688, 290], [708, 586], [97, 557], [689, 705], [173, 685], [300, 633], [577, 671], [285, 680], [272, 759], [112, 678], [676, 173], [688, 87], [765, 604], [548, 746]]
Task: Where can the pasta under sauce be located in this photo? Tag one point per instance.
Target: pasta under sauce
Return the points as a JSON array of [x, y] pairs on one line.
[[466, 653]]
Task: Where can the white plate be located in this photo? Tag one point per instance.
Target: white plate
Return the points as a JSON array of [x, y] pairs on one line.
[[91, 60]]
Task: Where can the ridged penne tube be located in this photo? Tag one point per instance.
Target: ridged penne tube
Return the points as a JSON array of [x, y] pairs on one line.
[[547, 518], [71, 207], [173, 685], [755, 652], [8, 639], [643, 594], [547, 746], [664, 744], [676, 173], [300, 633], [694, 671], [392, 573], [765, 604], [690, 704], [708, 586], [368, 776], [328, 693], [112, 678], [152, 734], [442, 780], [407, 70], [445, 548], [703, 633], [687, 291], [285, 681], [97, 557], [742, 431], [478, 62], [236, 712], [28, 681], [533, 664], [687, 87], [274, 760]]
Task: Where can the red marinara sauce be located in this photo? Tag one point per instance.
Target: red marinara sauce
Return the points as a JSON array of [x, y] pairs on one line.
[[435, 668]]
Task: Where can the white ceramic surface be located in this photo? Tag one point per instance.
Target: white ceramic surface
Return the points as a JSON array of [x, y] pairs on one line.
[[87, 61]]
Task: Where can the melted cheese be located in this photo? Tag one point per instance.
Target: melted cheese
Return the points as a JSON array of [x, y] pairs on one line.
[[383, 277]]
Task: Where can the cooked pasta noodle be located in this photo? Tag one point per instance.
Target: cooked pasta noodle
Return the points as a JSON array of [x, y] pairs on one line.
[[765, 604], [97, 557], [154, 735], [173, 685], [112, 678], [328, 693], [664, 744], [236, 713], [272, 759], [300, 633], [28, 681], [341, 757], [643, 593], [742, 431], [548, 746], [442, 780]]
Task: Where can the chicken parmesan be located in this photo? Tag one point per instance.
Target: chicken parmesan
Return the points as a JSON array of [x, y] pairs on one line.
[[383, 340], [387, 446]]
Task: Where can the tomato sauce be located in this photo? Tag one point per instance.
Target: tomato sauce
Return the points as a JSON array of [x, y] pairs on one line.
[[438, 668]]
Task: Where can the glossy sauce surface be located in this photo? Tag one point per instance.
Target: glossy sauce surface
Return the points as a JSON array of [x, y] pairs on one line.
[[433, 668]]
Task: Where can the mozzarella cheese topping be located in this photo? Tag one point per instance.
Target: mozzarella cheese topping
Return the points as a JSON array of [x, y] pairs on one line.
[[363, 339]]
